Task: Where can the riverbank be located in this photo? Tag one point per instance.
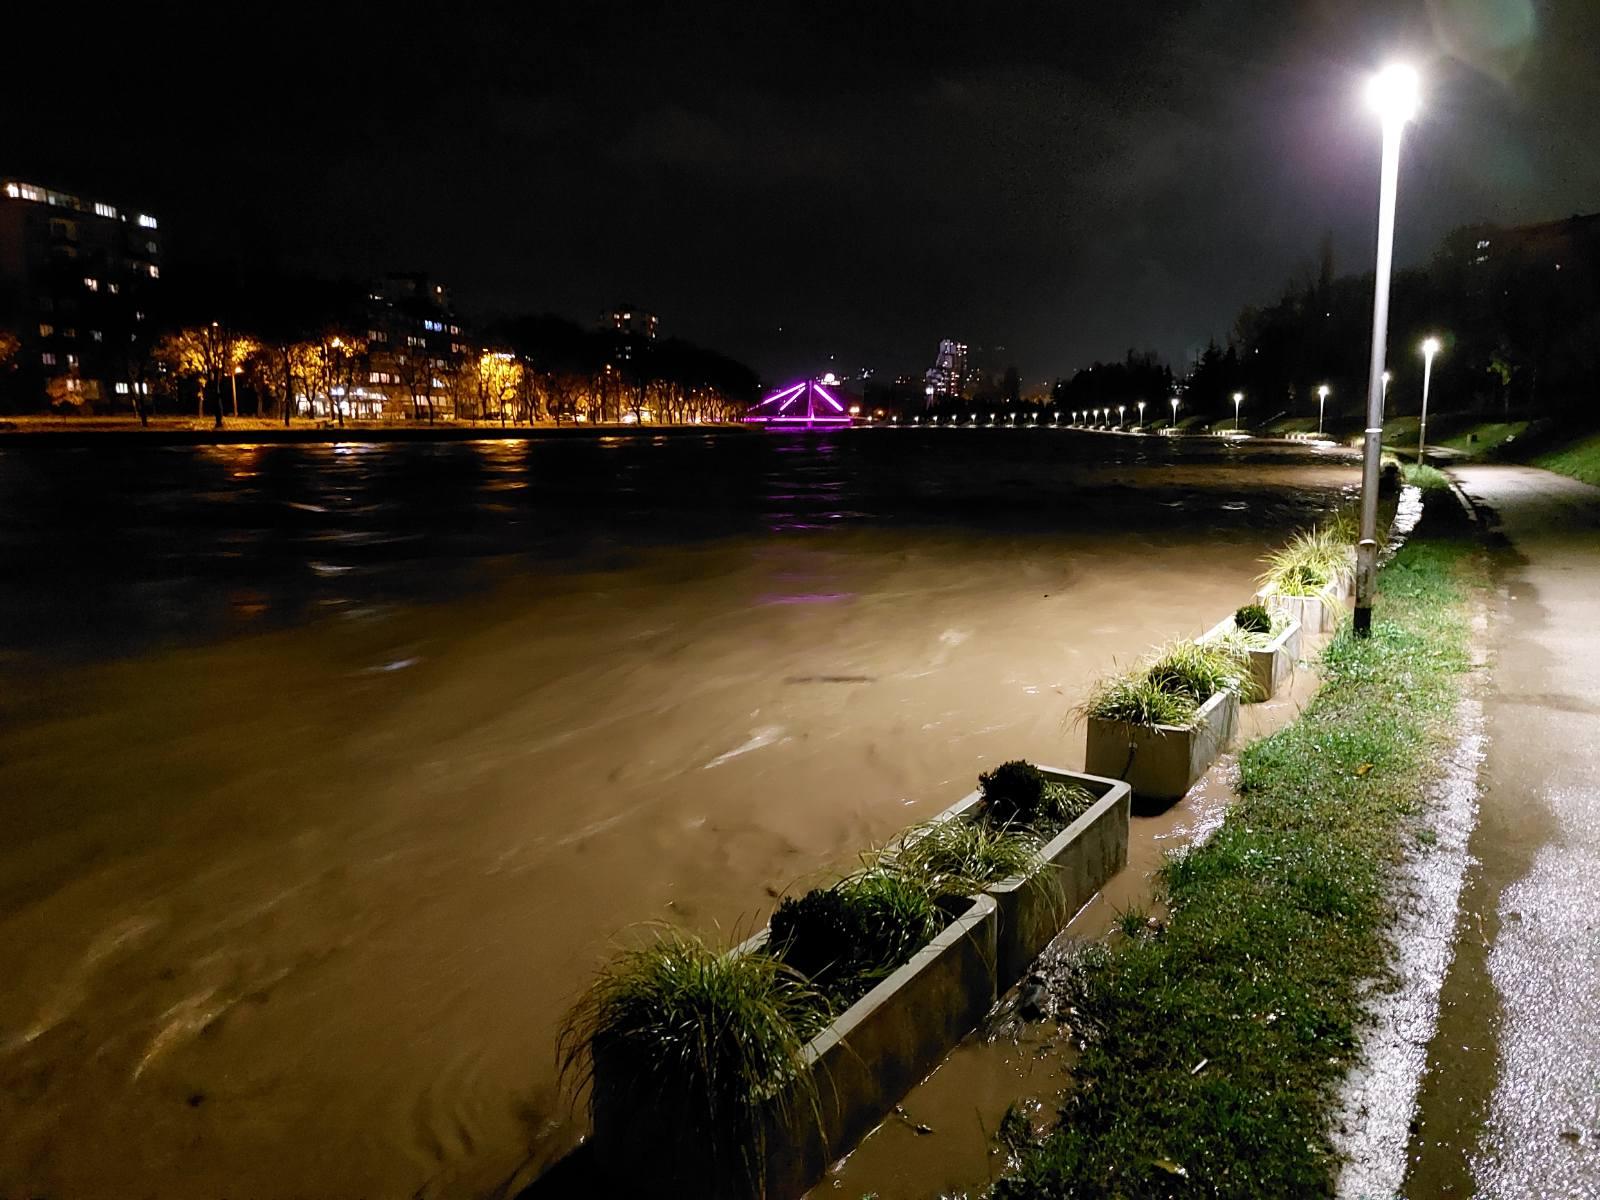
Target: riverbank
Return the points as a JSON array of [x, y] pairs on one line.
[[189, 431], [1215, 1045]]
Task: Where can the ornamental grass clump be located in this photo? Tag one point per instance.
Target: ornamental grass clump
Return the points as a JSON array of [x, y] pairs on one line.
[[1172, 686], [711, 1036], [1311, 560], [1018, 793], [958, 856], [1199, 670], [1137, 700], [848, 937]]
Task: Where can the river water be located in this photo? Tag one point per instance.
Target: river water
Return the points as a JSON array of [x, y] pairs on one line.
[[328, 774]]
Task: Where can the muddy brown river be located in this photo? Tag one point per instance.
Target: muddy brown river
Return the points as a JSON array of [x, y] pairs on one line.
[[329, 774]]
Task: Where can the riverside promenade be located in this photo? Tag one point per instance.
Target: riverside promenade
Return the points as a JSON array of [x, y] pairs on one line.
[[1510, 1106]]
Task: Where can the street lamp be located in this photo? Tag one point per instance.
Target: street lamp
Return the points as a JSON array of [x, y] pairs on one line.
[[1322, 403], [1430, 347], [1174, 413], [1392, 94], [1121, 408], [1141, 414], [1238, 399]]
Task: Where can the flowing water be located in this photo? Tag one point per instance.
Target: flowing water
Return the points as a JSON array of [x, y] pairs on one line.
[[328, 774]]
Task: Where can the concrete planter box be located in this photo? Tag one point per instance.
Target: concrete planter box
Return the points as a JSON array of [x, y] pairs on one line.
[[1077, 862], [861, 1066], [1162, 762], [1315, 614], [1273, 663]]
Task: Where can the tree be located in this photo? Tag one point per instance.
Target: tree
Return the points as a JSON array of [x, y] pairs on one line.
[[182, 356], [10, 347], [499, 381]]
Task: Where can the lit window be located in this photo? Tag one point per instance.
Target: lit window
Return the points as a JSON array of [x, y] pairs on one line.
[[48, 359], [29, 192], [46, 330], [104, 210], [96, 335], [146, 221], [122, 389], [72, 385], [72, 360], [92, 284], [433, 326], [155, 271], [114, 288]]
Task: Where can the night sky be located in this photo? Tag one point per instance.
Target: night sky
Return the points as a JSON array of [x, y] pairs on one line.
[[785, 182]]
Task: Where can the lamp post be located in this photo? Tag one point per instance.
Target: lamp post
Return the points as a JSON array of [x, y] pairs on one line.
[[1238, 399], [1322, 403], [1174, 414], [1141, 414], [1392, 94], [1121, 408], [1430, 347]]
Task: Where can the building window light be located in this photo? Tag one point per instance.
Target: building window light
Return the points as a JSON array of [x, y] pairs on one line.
[[46, 330], [146, 221], [105, 210], [122, 389], [114, 288], [92, 284], [48, 359], [155, 271], [96, 335]]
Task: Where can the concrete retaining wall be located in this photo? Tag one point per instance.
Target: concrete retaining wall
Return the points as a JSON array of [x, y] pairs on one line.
[[1161, 762]]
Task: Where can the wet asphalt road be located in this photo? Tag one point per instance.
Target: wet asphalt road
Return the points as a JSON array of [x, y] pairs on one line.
[[1510, 1106]]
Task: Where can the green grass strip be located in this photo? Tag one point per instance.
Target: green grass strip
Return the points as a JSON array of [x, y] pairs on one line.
[[1214, 1048], [1579, 459]]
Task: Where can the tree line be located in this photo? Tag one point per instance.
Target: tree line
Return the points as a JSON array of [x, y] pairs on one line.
[[1517, 312]]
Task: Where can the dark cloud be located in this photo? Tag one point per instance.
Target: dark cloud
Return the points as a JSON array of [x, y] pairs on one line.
[[791, 182]]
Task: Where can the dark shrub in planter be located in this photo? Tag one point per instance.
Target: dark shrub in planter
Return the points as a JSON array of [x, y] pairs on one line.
[[847, 937], [1253, 618]]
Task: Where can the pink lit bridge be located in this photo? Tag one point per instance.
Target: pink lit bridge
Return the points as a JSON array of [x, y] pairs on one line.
[[806, 405]]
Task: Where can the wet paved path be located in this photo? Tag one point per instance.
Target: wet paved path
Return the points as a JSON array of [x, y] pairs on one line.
[[1511, 1103]]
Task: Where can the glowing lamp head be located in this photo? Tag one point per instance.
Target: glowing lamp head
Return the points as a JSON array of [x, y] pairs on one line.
[[1323, 391], [1430, 346], [1394, 94]]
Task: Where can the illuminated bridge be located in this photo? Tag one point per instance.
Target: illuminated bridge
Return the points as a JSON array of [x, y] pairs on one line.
[[803, 405]]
